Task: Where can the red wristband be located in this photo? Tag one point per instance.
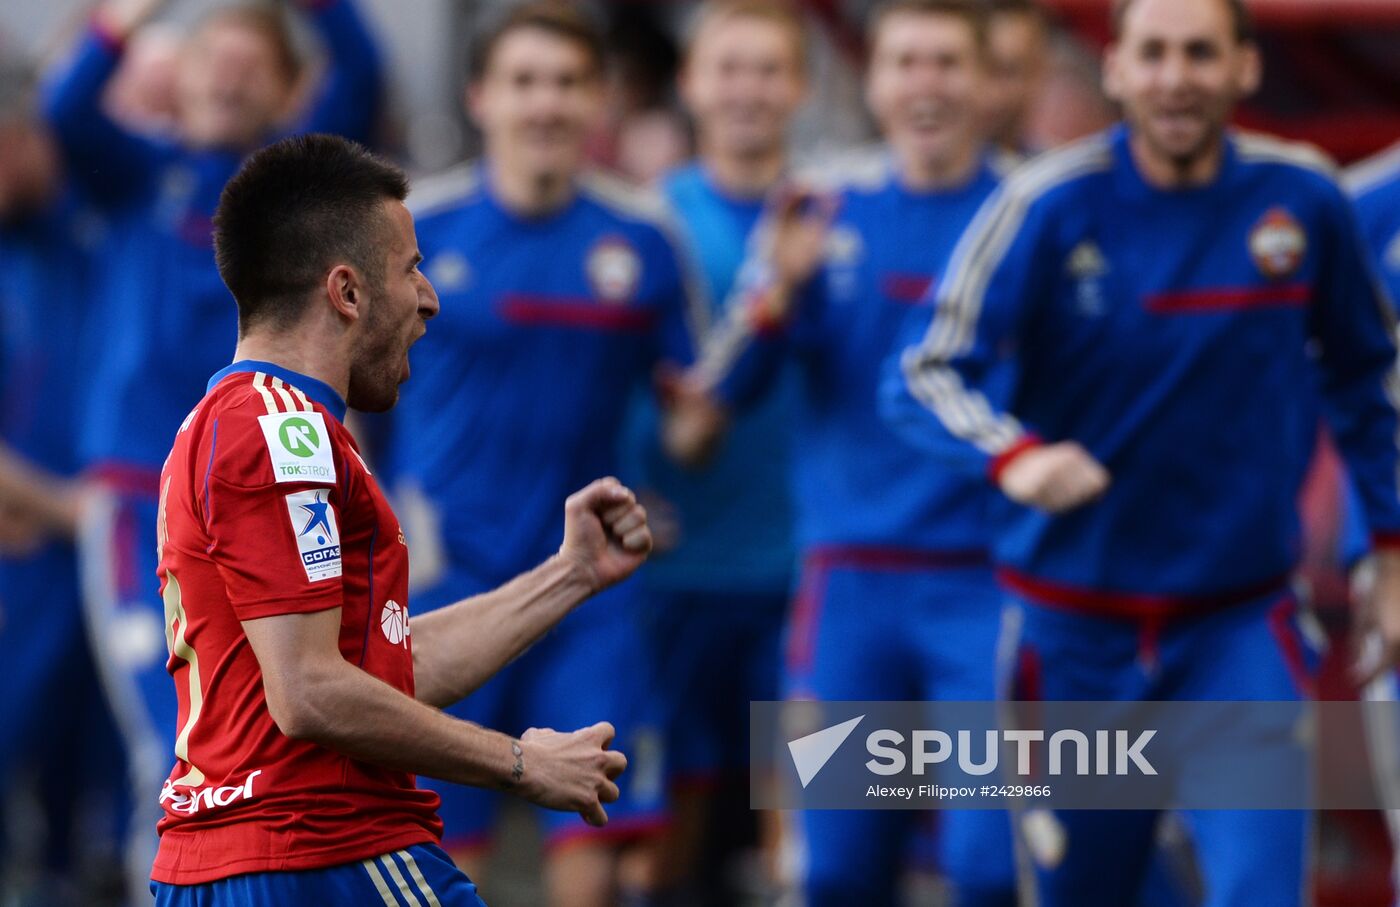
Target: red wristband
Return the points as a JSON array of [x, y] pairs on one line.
[[760, 313], [998, 464]]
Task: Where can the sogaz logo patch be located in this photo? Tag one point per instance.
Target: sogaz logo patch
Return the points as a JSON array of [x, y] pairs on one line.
[[318, 535], [300, 447]]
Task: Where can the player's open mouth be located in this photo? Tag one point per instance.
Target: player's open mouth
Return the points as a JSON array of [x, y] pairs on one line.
[[1178, 119], [927, 118]]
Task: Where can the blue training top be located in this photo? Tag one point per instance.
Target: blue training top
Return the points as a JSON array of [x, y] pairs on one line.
[[519, 389], [856, 482], [1177, 335], [47, 329]]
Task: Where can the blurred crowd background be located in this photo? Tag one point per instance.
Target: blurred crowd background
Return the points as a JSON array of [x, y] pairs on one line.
[[1332, 78]]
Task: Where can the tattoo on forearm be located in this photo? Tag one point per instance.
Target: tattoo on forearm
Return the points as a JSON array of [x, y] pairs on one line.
[[517, 771]]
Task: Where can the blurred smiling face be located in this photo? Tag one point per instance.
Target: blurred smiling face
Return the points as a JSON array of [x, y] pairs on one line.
[[743, 82], [538, 101], [231, 87], [1178, 70], [1016, 63], [924, 79]]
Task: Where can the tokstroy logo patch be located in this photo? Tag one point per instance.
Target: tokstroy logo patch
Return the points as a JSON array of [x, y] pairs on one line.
[[299, 446], [317, 533]]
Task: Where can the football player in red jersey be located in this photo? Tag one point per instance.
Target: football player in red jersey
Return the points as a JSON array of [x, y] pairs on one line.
[[308, 700]]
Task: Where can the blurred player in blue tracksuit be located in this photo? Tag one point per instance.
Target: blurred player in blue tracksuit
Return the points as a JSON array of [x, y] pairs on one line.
[[1375, 186], [1166, 294], [48, 238], [561, 292], [169, 322], [723, 583], [896, 599]]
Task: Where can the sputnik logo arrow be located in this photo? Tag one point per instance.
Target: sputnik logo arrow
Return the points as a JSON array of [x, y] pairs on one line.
[[811, 753]]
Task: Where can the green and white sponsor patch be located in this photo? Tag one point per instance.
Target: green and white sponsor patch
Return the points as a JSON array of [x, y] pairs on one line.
[[300, 447]]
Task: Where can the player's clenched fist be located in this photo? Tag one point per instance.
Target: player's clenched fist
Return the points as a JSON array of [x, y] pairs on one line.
[[570, 772], [605, 532], [1054, 477]]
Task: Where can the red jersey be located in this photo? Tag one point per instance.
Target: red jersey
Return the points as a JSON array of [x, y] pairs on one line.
[[266, 508]]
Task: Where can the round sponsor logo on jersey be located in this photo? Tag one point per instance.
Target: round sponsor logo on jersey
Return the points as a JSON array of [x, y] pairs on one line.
[[299, 437], [613, 268], [393, 620], [1277, 244]]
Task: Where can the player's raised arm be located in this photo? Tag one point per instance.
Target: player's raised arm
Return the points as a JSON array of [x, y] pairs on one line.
[[456, 649], [983, 304], [774, 297], [111, 160], [348, 100]]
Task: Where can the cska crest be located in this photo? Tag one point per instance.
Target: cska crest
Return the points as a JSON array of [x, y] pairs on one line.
[[613, 269], [1277, 244]]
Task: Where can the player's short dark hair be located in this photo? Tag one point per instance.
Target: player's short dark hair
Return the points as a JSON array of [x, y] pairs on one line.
[[973, 12], [295, 210], [782, 13], [564, 20], [1242, 23], [1031, 9]]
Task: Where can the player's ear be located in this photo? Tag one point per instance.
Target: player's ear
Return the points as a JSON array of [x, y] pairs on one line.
[[471, 100], [1251, 69], [1112, 80], [345, 291]]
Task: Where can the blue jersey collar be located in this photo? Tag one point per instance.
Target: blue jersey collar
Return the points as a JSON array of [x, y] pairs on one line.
[[1131, 181], [501, 210], [319, 391]]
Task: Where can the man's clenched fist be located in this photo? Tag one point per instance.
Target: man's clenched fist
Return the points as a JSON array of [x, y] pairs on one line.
[[571, 772], [605, 532], [1054, 477]]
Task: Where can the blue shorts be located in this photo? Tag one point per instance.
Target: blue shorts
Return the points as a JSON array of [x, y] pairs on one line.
[[713, 654], [419, 875], [1250, 651], [882, 626], [590, 668]]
